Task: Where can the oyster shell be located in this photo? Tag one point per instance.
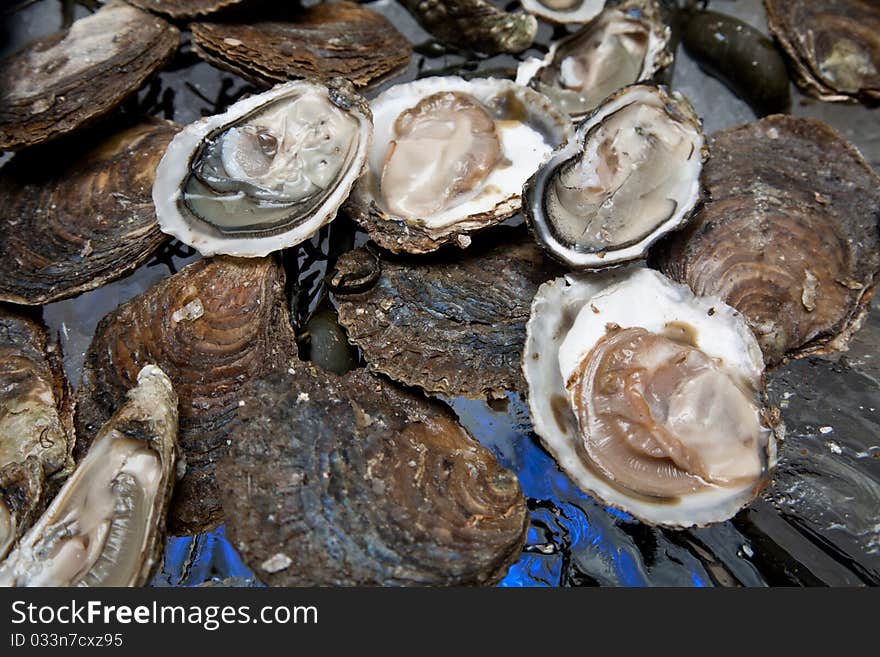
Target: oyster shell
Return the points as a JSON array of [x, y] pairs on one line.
[[332, 39], [36, 423], [564, 11], [623, 45], [105, 527], [474, 24], [789, 236], [453, 326], [631, 175], [369, 485], [74, 220], [187, 8], [267, 173], [449, 158], [648, 397], [833, 46], [212, 327], [69, 79]]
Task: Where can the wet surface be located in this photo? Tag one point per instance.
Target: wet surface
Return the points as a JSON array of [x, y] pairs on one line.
[[818, 523]]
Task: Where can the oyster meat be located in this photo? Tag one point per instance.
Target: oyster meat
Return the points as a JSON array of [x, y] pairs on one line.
[[332, 39], [833, 46], [650, 398], [64, 81], [564, 11], [789, 236], [625, 44], [454, 326], [106, 525], [36, 423], [449, 157], [74, 219], [267, 173], [369, 485], [211, 327], [630, 175]]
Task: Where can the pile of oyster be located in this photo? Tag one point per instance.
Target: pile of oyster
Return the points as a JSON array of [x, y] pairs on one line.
[[565, 231]]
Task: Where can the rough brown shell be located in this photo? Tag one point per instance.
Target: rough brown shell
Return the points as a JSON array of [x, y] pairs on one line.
[[789, 236], [73, 221], [69, 79], [368, 485], [187, 8], [452, 325], [212, 327], [334, 39]]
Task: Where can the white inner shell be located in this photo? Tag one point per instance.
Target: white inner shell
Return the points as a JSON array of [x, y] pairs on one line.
[[564, 11], [523, 148]]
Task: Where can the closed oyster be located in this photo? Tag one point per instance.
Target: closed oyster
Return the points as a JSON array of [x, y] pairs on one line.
[[474, 24], [564, 11], [368, 485], [833, 46], [631, 175], [452, 327], [36, 424], [449, 158], [211, 327], [267, 173], [72, 221], [69, 79], [187, 8], [105, 527], [650, 398], [625, 44], [789, 236], [332, 39]]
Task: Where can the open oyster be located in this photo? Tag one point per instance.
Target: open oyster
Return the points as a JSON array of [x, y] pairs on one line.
[[265, 174], [625, 44], [833, 46], [74, 219], [564, 11], [631, 175], [211, 327], [328, 40], [450, 157], [789, 235], [69, 79], [105, 526], [648, 397], [36, 424], [368, 485]]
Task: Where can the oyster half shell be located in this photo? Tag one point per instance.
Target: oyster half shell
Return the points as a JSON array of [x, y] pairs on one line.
[[564, 11], [267, 173], [105, 526]]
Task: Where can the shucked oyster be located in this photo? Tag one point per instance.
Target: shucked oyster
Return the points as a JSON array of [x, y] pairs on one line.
[[105, 526], [789, 235], [353, 481], [265, 174], [649, 398], [631, 175], [625, 44], [449, 157], [564, 11]]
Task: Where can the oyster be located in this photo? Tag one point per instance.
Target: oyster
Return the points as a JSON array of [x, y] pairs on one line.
[[474, 24], [450, 157], [452, 327], [631, 175], [73, 220], [328, 40], [36, 424], [833, 46], [564, 11], [648, 397], [369, 485], [789, 236], [64, 81], [267, 173], [105, 527], [187, 8], [211, 327], [625, 44]]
